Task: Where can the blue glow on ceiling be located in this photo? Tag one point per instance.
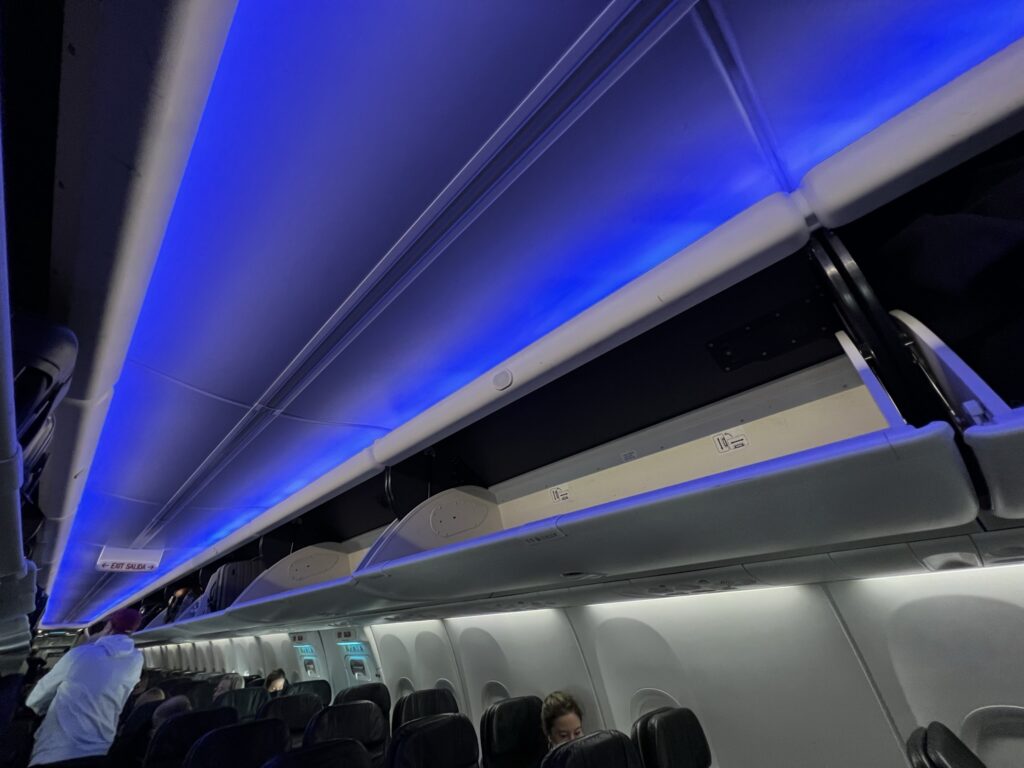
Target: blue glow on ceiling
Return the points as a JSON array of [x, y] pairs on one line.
[[328, 130]]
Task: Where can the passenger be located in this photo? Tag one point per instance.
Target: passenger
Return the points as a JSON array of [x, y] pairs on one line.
[[83, 695], [174, 706], [153, 694], [276, 682], [227, 683], [562, 719]]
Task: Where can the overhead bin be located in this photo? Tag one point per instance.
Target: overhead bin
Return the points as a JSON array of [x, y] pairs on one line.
[[993, 430], [816, 460]]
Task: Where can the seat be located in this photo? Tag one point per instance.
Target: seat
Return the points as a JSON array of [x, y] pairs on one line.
[[604, 749], [171, 743], [254, 681], [246, 745], [671, 737], [339, 753], [945, 750], [319, 688], [917, 752], [511, 735], [434, 741], [295, 711], [172, 686], [360, 721], [200, 694], [132, 742], [378, 693], [245, 701], [433, 701]]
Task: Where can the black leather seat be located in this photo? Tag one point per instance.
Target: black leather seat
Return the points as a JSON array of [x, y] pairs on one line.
[[172, 741], [433, 701], [435, 741], [671, 738], [319, 688], [129, 748], [254, 681], [247, 745], [247, 702], [340, 753], [917, 752], [378, 693], [295, 711], [604, 749], [945, 750], [511, 735], [200, 694], [357, 720]]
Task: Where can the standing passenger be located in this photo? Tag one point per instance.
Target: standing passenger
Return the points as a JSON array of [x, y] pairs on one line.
[[562, 719], [84, 693]]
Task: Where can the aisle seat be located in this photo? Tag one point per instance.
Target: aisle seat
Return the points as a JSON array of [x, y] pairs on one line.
[[173, 740], [295, 711], [360, 721], [246, 745], [340, 753], [319, 688], [247, 702], [378, 693]]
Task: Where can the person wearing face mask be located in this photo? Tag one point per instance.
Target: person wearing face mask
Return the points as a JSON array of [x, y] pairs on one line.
[[562, 718], [81, 698]]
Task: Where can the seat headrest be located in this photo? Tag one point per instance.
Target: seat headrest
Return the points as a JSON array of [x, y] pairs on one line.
[[296, 711], [438, 740], [432, 701], [378, 693], [319, 688], [359, 720], [247, 701], [513, 726], [671, 737], [604, 749], [917, 753], [329, 754], [945, 750], [176, 736], [248, 744]]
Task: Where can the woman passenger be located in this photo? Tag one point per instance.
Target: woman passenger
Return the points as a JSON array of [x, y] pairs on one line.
[[562, 719], [230, 682], [276, 682]]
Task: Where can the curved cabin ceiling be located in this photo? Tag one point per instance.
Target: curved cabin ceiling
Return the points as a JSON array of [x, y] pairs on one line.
[[358, 233]]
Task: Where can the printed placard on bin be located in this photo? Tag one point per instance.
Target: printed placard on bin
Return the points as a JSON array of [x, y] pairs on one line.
[[126, 560]]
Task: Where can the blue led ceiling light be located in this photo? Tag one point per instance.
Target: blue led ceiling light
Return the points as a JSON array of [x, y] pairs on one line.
[[331, 127]]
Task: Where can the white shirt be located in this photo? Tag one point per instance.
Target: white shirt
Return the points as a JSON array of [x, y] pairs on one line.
[[82, 698]]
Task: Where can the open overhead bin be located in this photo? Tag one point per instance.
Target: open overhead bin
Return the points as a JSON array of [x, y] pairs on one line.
[[993, 430], [818, 459]]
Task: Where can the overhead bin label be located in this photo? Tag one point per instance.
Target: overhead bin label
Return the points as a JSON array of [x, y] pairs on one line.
[[733, 440], [125, 560], [560, 493]]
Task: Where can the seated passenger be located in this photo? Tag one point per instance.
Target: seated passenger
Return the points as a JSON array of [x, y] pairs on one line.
[[83, 695], [562, 719], [227, 683], [174, 706], [276, 682], [152, 694]]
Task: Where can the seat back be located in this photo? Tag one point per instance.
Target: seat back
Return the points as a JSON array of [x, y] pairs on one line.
[[435, 741], [319, 688], [200, 694], [245, 701], [295, 711], [511, 735], [254, 681], [432, 701], [340, 753], [357, 720], [945, 750], [172, 741], [604, 749], [246, 745], [378, 693], [132, 742], [671, 737]]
